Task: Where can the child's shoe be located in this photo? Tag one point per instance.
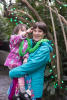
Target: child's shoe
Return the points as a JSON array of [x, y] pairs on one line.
[[16, 98], [28, 92], [25, 96]]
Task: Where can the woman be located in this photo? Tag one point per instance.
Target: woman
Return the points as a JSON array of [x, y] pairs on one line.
[[37, 60]]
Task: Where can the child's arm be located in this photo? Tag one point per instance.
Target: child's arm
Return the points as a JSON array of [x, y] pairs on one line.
[[26, 32], [30, 30], [15, 39]]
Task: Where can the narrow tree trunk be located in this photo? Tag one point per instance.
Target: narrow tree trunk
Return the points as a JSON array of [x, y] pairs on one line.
[[32, 9], [62, 27], [56, 46]]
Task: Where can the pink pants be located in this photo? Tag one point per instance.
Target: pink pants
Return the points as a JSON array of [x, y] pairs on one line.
[[17, 83]]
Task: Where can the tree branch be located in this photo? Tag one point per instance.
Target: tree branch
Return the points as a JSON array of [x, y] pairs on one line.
[[26, 14], [59, 2], [62, 27], [56, 45], [25, 21], [62, 18], [32, 9], [22, 19]]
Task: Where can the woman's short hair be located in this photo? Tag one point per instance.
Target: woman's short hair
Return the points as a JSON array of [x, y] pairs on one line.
[[18, 27], [40, 25]]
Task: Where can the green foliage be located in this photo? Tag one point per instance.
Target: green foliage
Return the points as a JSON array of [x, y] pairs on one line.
[[18, 0], [6, 28]]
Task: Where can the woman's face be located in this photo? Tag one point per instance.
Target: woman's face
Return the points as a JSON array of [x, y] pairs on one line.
[[38, 34]]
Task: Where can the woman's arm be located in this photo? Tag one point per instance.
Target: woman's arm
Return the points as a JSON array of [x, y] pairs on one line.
[[38, 60]]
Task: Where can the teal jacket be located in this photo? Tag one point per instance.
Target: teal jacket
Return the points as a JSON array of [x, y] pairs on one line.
[[35, 67]]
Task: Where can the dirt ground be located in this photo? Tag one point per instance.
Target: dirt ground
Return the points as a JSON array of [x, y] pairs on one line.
[[4, 83]]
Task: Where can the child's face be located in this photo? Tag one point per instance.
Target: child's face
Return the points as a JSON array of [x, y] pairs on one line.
[[38, 34], [23, 29]]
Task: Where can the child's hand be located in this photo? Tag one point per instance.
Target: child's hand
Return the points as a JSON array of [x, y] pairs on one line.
[[29, 30], [25, 60], [22, 33]]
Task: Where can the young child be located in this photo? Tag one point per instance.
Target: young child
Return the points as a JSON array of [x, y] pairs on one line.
[[14, 60]]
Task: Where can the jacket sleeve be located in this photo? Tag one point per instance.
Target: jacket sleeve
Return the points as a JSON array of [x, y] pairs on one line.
[[40, 58], [14, 40]]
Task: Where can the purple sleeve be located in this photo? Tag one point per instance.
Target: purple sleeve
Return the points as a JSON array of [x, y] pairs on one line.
[[15, 39], [11, 42]]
